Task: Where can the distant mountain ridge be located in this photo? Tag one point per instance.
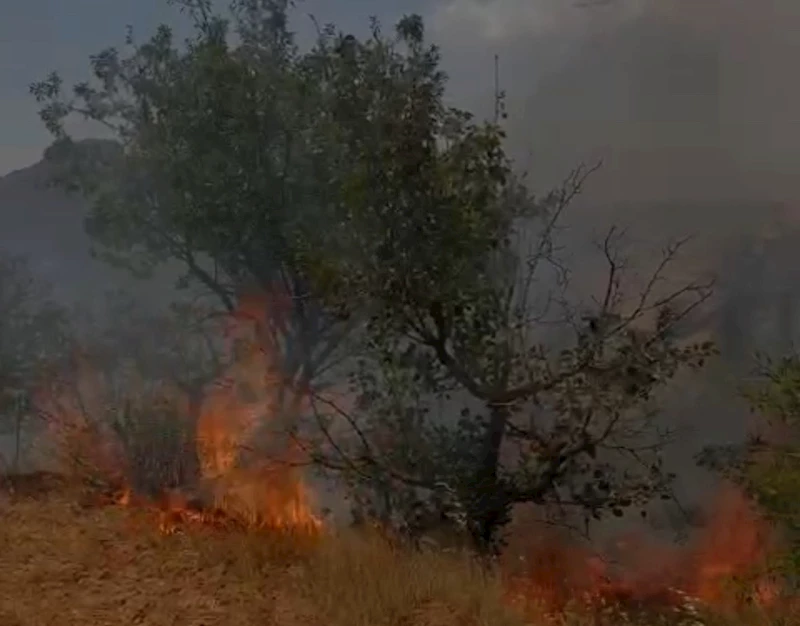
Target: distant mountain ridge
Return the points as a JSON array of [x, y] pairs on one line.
[[45, 224]]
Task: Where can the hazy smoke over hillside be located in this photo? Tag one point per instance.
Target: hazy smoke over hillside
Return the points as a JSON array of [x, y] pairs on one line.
[[690, 103], [693, 108], [686, 99]]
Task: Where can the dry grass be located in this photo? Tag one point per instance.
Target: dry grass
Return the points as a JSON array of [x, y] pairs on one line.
[[361, 580], [65, 564]]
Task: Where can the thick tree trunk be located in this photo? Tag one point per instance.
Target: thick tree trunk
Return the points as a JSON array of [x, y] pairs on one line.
[[189, 471], [490, 510]]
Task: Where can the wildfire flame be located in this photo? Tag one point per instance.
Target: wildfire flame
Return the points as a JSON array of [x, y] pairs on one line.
[[240, 487], [734, 545], [238, 483]]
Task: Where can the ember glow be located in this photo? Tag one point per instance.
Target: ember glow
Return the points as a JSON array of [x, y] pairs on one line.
[[723, 568]]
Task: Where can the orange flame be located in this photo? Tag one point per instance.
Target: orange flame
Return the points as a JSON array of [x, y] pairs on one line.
[[243, 486], [735, 544], [238, 479]]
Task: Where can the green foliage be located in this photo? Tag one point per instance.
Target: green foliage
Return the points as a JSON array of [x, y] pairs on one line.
[[186, 122], [219, 160], [423, 197], [768, 464], [427, 242], [340, 175]]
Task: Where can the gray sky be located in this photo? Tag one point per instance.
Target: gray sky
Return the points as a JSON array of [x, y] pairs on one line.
[[37, 36], [682, 98]]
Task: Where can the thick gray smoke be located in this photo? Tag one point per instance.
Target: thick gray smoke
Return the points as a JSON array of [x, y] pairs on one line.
[[688, 100], [693, 107]]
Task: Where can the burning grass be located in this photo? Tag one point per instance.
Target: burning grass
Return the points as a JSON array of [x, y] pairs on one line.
[[197, 529], [67, 562], [725, 568]]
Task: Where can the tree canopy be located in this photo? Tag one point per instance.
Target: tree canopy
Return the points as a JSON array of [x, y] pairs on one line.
[[337, 181], [767, 466]]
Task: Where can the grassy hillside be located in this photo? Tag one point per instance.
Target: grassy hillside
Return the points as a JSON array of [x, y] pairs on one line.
[[69, 560], [68, 564]]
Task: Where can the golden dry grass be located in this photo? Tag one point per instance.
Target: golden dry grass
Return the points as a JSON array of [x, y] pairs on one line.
[[63, 564]]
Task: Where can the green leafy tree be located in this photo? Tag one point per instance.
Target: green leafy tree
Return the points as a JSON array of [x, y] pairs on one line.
[[767, 465], [214, 163], [340, 176], [459, 269]]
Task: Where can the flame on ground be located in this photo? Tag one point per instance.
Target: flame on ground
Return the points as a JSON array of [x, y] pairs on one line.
[[247, 476], [248, 479], [723, 568]]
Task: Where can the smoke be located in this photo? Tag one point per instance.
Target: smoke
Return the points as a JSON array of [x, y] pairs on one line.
[[686, 100], [693, 108], [500, 21], [690, 104]]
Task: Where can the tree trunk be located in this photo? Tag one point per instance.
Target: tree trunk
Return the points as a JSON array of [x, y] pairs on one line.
[[490, 511], [18, 421], [190, 472]]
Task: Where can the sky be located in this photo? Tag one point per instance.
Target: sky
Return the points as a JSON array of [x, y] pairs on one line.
[[682, 99], [38, 36]]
